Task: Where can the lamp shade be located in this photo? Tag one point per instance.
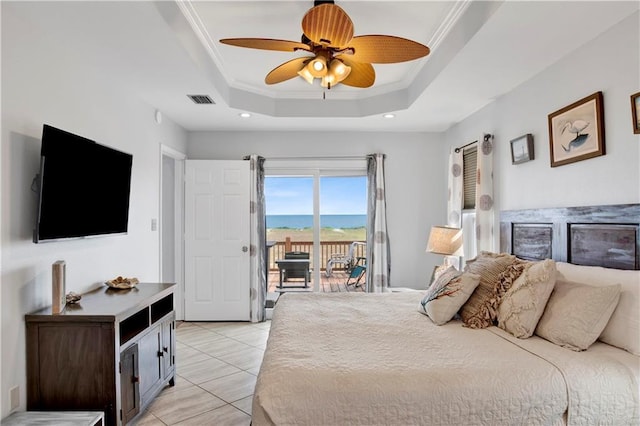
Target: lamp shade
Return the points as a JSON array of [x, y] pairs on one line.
[[445, 240]]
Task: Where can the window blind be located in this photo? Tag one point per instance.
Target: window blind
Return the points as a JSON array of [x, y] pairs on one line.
[[469, 163]]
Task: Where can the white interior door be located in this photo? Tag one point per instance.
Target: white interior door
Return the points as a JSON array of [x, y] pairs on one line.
[[217, 240]]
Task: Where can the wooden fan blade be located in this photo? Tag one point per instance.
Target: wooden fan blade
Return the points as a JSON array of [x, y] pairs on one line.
[[266, 44], [328, 24], [361, 75], [385, 49], [286, 71]]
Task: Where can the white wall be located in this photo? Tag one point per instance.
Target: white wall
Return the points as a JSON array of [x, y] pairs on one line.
[[43, 83], [611, 64], [414, 172]]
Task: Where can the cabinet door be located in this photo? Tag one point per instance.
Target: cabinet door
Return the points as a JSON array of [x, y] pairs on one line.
[[129, 383], [168, 348], [71, 366], [150, 361]]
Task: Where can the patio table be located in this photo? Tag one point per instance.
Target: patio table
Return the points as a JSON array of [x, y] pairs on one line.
[[297, 265]]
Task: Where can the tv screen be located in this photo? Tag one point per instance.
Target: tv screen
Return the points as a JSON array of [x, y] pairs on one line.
[[83, 188]]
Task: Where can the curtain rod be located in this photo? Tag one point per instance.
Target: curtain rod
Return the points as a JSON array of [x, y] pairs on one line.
[[317, 158], [487, 136], [458, 149]]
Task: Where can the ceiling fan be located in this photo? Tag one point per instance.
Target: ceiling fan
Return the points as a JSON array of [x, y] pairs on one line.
[[336, 55]]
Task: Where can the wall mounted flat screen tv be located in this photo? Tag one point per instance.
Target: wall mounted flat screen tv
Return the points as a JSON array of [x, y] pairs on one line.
[[83, 188]]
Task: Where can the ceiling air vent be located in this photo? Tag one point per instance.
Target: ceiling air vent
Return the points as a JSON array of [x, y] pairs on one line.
[[201, 99]]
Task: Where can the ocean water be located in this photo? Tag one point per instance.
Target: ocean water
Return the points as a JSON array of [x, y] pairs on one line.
[[299, 221]]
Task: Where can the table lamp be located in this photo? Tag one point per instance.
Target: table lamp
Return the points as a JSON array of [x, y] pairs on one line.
[[447, 241]]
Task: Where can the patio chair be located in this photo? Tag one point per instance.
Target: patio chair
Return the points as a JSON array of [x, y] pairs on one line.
[[356, 273], [349, 260]]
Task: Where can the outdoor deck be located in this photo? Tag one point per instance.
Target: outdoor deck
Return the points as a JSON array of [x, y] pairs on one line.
[[335, 283]]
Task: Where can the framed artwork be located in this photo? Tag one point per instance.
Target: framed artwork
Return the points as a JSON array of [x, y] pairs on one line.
[[635, 112], [576, 132], [522, 149]]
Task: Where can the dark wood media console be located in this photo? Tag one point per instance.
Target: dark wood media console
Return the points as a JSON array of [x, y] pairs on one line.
[[112, 352]]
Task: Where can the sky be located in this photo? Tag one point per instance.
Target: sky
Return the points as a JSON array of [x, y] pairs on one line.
[[294, 195]]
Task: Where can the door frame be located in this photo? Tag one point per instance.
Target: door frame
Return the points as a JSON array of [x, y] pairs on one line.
[[177, 227]]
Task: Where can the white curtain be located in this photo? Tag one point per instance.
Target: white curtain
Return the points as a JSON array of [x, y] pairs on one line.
[[484, 196], [378, 253], [455, 184], [257, 250]]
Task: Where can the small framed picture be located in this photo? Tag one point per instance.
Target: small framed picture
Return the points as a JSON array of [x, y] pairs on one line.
[[635, 112], [522, 149], [576, 132]]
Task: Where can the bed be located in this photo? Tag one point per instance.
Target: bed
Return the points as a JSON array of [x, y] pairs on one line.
[[369, 359]]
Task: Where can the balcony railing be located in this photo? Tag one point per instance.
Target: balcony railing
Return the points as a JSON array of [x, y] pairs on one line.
[[327, 249]]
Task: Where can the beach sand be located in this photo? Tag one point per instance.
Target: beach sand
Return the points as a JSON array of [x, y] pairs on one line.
[[326, 234]]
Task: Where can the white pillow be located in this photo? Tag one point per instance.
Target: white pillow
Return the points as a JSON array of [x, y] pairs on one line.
[[447, 294], [623, 329], [523, 304], [576, 314]]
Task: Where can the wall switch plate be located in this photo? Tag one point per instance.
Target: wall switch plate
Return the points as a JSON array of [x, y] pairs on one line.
[[154, 224], [14, 398]]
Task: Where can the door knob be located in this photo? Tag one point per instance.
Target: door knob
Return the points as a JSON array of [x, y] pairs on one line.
[[245, 249]]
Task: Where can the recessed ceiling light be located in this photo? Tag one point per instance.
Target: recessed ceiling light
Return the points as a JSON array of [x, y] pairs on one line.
[[244, 115], [388, 115]]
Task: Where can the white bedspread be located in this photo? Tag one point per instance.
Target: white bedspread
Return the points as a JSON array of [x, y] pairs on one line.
[[373, 359]]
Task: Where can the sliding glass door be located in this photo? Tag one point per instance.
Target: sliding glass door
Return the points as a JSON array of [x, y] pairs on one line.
[[289, 219], [315, 216], [343, 232]]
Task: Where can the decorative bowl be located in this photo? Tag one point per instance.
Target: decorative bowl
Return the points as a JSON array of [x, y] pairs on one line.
[[122, 283]]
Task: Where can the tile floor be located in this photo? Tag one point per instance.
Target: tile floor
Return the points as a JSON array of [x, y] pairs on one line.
[[217, 364]]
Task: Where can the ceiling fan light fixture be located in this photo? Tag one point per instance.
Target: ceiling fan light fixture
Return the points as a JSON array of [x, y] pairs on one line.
[[339, 70], [318, 66], [328, 81], [304, 73]]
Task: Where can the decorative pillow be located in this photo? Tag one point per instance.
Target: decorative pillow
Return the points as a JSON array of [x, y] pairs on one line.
[[623, 329], [437, 271], [523, 304], [576, 314], [480, 310], [447, 294]]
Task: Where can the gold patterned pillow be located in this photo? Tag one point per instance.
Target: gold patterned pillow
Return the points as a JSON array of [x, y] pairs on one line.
[[480, 310], [523, 304]]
